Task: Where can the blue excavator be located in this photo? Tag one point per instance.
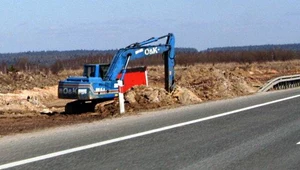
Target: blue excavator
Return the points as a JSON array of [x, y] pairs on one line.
[[99, 82]]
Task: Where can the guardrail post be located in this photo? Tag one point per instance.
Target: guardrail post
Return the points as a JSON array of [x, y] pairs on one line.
[[121, 97]]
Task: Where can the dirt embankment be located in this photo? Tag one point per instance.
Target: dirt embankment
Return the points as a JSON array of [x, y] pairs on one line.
[[24, 96]]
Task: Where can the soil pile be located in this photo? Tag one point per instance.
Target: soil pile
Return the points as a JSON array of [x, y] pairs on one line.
[[213, 83], [154, 97], [27, 102], [147, 97], [140, 98], [185, 96]]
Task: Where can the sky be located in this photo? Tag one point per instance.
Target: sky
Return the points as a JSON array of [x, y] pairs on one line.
[[40, 25]]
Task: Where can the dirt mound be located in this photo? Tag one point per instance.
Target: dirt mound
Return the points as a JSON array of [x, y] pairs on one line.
[[148, 97], [145, 97], [23, 102], [136, 99], [213, 83], [140, 98], [184, 96]]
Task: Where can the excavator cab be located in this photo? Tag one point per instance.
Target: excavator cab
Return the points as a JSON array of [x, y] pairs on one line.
[[89, 70], [95, 70]]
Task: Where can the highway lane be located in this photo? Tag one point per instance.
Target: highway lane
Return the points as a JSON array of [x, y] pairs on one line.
[[259, 138]]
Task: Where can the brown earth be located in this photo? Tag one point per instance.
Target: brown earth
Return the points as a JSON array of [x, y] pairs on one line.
[[29, 101]]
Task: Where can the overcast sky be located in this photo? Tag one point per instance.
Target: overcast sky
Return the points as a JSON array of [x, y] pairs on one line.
[[28, 25]]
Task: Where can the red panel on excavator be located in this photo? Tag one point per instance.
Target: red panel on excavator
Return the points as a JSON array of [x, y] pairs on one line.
[[134, 76]]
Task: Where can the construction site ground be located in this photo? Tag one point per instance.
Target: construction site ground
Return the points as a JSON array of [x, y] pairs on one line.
[[28, 101]]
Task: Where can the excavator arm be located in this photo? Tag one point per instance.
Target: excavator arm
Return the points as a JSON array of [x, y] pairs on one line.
[[141, 50]]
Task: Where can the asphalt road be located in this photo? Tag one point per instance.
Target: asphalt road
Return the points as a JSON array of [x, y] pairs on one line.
[[253, 132]]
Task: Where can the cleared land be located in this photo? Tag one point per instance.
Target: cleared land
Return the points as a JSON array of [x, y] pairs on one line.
[[29, 101]]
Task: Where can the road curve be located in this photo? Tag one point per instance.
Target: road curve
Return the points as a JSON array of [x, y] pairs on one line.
[[252, 132]]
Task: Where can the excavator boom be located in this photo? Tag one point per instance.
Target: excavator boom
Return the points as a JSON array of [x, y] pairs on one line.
[[145, 49]]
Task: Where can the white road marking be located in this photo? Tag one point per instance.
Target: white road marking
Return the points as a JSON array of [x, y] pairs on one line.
[[85, 147], [298, 143]]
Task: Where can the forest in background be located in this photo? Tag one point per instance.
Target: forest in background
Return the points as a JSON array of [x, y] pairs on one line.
[[56, 61]]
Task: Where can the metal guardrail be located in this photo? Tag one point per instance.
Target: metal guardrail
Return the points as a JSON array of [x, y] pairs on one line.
[[282, 82]]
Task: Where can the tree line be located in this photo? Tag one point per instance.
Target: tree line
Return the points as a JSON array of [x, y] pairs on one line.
[[182, 58], [292, 47], [49, 57]]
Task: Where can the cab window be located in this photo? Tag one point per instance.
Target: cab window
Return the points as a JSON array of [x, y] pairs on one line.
[[103, 70], [89, 71]]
